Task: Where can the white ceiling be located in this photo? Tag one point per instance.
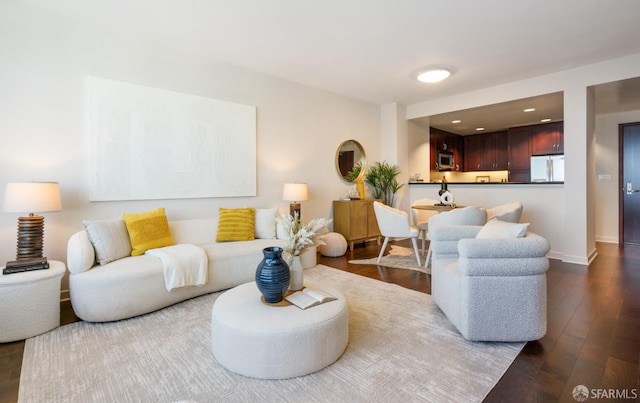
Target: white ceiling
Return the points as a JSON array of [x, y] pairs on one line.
[[618, 96], [500, 116], [372, 49]]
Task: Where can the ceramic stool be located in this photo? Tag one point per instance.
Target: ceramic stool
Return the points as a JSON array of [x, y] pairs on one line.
[[335, 245]]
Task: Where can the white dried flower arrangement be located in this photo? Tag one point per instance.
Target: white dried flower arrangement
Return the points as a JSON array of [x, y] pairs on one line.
[[299, 236]]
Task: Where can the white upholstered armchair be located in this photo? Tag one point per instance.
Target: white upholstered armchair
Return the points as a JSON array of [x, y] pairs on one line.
[[462, 216], [490, 289], [509, 212], [394, 223]]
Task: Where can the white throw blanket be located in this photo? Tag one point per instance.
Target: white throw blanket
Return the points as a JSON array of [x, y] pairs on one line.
[[184, 265]]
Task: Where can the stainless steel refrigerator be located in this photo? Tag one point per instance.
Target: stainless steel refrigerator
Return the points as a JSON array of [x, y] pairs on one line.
[[547, 168]]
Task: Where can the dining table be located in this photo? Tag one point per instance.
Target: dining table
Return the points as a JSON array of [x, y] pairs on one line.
[[437, 207]]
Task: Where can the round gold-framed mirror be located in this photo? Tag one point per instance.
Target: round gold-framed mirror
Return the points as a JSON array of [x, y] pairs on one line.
[[351, 161]]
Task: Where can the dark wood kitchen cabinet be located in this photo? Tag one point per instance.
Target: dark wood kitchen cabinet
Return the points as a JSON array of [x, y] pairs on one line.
[[441, 140], [499, 143], [519, 154], [456, 146], [547, 139], [473, 150], [486, 152]]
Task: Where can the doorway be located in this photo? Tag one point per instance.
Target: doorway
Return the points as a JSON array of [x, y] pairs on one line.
[[629, 200]]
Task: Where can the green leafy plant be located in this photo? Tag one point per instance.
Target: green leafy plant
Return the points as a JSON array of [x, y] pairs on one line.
[[355, 172], [382, 179]]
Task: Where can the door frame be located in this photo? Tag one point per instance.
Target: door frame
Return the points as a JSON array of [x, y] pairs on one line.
[[621, 184]]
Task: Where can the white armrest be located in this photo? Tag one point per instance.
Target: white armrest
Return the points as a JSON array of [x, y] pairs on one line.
[[80, 253]]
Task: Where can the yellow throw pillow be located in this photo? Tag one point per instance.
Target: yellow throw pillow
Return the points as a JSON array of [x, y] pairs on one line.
[[148, 230], [236, 224]]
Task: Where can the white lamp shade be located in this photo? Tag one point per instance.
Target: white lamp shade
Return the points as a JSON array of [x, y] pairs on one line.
[[295, 192], [32, 197]]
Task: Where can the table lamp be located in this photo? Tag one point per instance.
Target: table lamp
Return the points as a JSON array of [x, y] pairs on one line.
[[31, 197], [295, 193]]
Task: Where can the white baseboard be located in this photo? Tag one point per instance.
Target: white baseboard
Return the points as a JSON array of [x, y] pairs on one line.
[[555, 255], [582, 260], [607, 239]]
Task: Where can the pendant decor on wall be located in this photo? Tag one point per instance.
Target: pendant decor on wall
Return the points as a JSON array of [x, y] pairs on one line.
[[150, 143]]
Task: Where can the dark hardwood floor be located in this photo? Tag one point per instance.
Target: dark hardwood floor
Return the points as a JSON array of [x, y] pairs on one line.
[[593, 335]]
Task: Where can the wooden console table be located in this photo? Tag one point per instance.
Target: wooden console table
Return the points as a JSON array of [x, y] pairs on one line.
[[355, 220]]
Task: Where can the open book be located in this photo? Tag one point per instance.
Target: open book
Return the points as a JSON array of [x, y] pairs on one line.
[[308, 297]]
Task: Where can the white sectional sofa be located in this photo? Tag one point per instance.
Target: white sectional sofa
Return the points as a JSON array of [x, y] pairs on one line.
[[135, 285]]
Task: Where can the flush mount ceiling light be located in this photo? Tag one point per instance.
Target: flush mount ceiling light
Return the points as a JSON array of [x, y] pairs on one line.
[[529, 110], [433, 75]]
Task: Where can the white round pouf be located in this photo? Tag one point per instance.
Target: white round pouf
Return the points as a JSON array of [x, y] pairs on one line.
[[254, 339], [30, 302], [336, 245]]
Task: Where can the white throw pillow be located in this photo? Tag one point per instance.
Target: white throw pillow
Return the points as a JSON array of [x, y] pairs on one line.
[[265, 227], [109, 238], [281, 232], [498, 229]]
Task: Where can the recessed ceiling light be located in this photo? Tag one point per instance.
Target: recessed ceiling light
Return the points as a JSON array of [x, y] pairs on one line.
[[433, 75], [479, 129], [529, 109], [456, 121], [546, 120]]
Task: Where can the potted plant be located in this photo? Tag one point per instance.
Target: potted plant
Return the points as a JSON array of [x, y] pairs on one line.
[[382, 178], [353, 175]]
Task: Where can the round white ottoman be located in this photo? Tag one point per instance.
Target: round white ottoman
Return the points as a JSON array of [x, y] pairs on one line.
[[335, 245], [279, 341], [30, 302]]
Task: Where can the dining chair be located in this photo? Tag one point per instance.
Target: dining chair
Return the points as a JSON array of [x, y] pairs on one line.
[[394, 223], [463, 216], [509, 212], [421, 218]]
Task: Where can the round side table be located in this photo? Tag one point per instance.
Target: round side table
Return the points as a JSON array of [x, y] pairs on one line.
[[254, 339], [30, 302]]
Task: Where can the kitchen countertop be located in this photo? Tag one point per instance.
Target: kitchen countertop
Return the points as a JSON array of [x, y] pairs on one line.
[[485, 183]]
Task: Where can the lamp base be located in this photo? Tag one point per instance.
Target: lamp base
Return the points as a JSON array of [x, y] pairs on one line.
[[294, 208], [30, 237]]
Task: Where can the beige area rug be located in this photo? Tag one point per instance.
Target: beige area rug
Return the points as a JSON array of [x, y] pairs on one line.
[[399, 257], [401, 349]]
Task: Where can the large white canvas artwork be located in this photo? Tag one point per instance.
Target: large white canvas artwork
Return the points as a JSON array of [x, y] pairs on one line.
[[150, 143]]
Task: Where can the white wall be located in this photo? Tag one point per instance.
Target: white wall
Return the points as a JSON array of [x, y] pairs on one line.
[[607, 162], [606, 188], [394, 143], [541, 202], [45, 63], [579, 123], [419, 151]]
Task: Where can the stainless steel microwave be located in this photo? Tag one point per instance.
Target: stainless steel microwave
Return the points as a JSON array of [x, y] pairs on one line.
[[445, 161]]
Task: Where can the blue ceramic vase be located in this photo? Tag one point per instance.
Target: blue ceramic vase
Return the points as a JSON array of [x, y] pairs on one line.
[[272, 275]]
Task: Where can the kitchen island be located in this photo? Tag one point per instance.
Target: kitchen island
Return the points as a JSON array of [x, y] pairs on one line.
[[484, 183], [544, 202]]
